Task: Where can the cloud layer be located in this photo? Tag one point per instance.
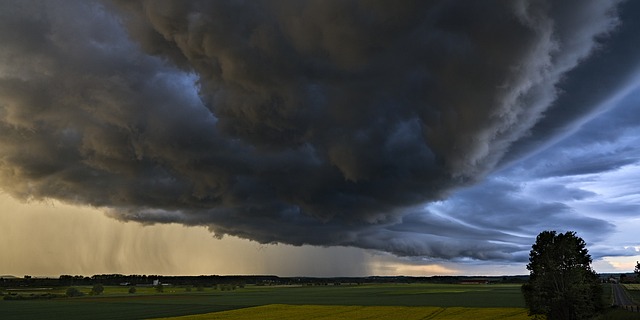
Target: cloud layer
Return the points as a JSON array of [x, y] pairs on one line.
[[302, 122]]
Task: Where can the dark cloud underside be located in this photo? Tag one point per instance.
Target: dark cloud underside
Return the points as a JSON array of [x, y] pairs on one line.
[[316, 122]]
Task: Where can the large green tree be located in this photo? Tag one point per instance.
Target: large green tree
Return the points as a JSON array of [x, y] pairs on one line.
[[562, 284]]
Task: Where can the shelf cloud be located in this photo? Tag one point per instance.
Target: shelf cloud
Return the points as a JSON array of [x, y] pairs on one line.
[[330, 123]]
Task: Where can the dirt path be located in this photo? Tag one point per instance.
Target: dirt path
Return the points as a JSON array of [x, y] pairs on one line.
[[620, 297]]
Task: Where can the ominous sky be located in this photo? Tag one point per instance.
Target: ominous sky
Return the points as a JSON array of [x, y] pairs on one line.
[[419, 137]]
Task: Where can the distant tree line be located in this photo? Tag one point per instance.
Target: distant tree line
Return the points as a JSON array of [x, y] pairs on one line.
[[216, 280]]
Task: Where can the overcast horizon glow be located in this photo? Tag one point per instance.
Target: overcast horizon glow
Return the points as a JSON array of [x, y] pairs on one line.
[[315, 138]]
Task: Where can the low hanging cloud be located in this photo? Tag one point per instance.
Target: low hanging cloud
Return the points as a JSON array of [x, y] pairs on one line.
[[302, 122]]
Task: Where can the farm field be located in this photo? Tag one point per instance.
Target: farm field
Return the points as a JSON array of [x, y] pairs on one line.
[[317, 312], [634, 291], [176, 301]]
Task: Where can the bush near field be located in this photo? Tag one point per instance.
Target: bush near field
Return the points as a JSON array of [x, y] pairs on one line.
[[33, 296]]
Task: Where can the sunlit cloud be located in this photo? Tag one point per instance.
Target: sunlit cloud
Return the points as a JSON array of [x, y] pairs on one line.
[[413, 270]]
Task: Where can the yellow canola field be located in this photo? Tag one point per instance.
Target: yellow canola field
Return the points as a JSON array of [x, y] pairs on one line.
[[323, 312]]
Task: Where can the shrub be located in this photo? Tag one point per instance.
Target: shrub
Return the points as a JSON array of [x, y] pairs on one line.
[[42, 296], [97, 289], [74, 292]]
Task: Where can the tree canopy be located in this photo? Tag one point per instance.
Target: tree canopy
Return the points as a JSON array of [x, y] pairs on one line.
[[562, 284], [98, 288], [73, 292]]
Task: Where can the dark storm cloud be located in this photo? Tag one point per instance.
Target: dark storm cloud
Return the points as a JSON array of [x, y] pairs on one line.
[[586, 88], [607, 142], [455, 83], [303, 122], [587, 182]]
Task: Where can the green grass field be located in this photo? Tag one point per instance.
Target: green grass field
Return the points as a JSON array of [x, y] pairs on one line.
[[116, 303], [388, 301]]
